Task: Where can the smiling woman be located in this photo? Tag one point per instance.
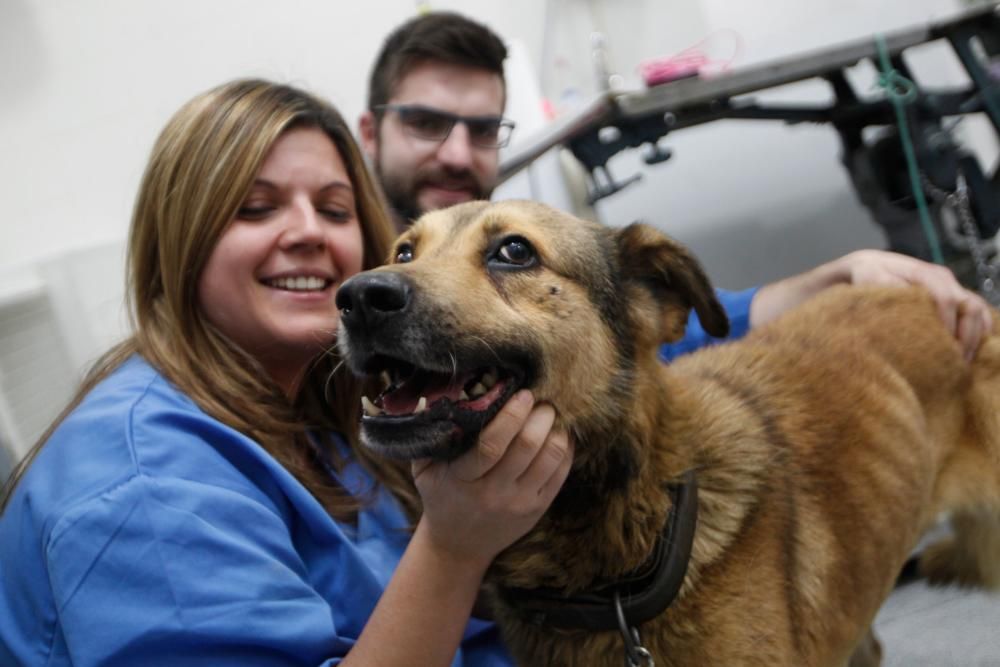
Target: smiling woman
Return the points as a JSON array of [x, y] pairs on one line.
[[205, 494], [270, 281]]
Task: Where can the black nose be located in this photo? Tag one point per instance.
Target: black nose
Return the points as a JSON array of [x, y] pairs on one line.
[[372, 297]]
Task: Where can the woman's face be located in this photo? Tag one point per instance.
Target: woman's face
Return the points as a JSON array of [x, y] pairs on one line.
[[270, 282]]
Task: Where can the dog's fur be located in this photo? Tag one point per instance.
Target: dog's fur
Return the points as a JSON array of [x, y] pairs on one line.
[[824, 443]]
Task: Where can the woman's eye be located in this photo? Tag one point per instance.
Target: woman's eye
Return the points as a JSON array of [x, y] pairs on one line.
[[253, 212], [516, 251], [336, 214], [404, 254]]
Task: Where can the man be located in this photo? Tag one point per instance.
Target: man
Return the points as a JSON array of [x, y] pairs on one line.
[[430, 70], [434, 126]]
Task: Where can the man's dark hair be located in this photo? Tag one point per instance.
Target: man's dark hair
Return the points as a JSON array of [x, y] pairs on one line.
[[438, 36]]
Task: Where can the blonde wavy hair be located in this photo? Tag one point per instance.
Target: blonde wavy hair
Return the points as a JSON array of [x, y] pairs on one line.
[[201, 168]]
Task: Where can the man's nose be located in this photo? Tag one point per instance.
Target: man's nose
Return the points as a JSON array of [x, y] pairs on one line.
[[457, 149]]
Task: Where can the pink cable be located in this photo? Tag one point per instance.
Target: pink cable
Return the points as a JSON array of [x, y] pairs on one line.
[[692, 61]]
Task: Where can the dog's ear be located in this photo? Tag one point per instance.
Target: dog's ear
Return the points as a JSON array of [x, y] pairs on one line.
[[673, 276]]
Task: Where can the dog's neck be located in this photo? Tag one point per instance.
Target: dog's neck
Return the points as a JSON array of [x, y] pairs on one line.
[[610, 512], [613, 507], [634, 598]]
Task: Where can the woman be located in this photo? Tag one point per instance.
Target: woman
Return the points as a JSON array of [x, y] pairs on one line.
[[204, 498]]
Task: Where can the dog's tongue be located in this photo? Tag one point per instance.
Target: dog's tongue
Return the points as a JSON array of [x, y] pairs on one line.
[[404, 399]]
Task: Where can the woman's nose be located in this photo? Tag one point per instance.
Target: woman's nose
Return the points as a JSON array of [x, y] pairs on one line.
[[304, 225]]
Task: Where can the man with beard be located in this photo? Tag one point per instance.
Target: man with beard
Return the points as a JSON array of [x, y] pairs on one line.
[[434, 126], [433, 72]]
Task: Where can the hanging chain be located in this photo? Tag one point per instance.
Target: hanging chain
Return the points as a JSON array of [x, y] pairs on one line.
[[958, 201], [636, 655]]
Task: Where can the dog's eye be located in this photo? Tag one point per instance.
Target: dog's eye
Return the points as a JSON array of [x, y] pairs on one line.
[[404, 254], [516, 251]]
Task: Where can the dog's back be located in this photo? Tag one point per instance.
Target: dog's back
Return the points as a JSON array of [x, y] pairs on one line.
[[847, 426]]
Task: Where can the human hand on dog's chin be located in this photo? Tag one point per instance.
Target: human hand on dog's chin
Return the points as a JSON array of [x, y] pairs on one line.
[[480, 503], [966, 314]]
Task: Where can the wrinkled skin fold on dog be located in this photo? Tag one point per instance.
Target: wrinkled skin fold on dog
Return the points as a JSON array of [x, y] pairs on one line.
[[824, 443]]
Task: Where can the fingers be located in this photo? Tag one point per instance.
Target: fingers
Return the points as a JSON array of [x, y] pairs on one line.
[[975, 321], [495, 438], [519, 447], [528, 443], [968, 335], [947, 302], [539, 458], [551, 467], [965, 314]]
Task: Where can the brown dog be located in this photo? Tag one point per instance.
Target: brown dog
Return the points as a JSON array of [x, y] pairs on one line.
[[821, 446]]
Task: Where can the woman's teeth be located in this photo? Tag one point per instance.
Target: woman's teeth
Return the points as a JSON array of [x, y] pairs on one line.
[[298, 283]]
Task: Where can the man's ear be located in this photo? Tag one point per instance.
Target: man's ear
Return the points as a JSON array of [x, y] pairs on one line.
[[368, 134], [674, 277]]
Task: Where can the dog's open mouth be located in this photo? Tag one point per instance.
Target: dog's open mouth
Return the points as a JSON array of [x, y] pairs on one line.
[[425, 413]]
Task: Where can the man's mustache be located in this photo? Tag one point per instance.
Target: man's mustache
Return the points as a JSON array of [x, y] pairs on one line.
[[451, 179]]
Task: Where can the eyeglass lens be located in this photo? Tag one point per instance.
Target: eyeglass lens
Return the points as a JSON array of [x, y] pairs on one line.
[[437, 125]]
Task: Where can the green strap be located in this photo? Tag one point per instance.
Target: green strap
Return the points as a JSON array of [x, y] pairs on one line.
[[901, 92]]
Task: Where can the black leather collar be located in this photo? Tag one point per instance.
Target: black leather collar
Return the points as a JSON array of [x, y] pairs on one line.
[[644, 593]]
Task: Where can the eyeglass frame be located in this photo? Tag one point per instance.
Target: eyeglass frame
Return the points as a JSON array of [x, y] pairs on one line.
[[454, 119]]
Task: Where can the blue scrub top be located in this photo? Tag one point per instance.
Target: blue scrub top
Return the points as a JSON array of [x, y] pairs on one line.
[[737, 307], [148, 533]]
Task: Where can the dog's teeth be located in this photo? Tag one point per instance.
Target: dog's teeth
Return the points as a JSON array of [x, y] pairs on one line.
[[370, 408], [477, 390], [489, 379], [463, 396], [386, 380], [421, 405]]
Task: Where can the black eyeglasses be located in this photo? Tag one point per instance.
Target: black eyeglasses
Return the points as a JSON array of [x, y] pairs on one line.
[[435, 125]]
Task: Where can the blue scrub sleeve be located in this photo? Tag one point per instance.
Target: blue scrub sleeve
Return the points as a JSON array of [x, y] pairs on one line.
[[737, 307], [202, 575]]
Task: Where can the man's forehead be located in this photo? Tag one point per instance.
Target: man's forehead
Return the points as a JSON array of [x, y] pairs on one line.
[[456, 88]]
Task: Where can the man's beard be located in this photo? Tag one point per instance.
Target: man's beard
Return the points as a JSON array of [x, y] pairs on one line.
[[401, 190]]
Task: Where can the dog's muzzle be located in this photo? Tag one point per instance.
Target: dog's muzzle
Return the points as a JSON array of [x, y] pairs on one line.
[[438, 393]]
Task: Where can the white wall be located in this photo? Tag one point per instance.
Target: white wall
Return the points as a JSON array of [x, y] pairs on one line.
[[87, 84]]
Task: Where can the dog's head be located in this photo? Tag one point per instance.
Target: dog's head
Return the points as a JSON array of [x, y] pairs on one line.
[[480, 300]]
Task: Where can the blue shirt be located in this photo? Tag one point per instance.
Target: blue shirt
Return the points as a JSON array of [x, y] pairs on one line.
[[148, 533], [737, 307]]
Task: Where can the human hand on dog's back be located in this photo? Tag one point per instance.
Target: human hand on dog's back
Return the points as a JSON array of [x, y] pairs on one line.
[[966, 314], [478, 504]]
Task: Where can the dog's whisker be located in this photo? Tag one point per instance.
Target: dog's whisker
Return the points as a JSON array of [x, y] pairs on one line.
[[328, 385], [487, 345]]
